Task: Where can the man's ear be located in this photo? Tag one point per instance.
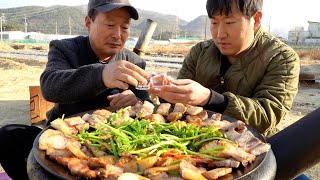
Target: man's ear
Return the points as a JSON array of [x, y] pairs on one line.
[[257, 19], [87, 21]]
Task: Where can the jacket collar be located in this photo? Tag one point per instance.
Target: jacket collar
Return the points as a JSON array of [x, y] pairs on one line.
[[92, 56], [249, 52]]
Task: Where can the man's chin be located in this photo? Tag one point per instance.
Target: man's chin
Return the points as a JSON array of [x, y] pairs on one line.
[[113, 50], [225, 52]]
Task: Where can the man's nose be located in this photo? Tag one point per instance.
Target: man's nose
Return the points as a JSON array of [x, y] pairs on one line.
[[221, 32], [116, 32]]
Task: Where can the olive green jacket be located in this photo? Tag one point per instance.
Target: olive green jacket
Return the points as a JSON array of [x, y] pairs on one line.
[[260, 85]]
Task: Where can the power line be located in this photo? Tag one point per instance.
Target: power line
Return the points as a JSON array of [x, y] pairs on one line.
[[24, 12], [40, 12], [43, 9], [37, 13]]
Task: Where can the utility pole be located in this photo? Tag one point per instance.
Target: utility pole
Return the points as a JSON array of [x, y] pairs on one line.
[[2, 20], [69, 25], [1, 27], [160, 34], [25, 24], [205, 29], [270, 24], [176, 27]]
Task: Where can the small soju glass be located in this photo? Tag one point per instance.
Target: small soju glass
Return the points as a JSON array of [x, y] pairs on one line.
[[157, 79]]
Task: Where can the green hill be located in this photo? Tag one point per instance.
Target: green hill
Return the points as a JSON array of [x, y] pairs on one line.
[[70, 20], [199, 27]]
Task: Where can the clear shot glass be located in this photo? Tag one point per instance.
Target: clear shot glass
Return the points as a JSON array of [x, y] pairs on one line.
[[157, 79]]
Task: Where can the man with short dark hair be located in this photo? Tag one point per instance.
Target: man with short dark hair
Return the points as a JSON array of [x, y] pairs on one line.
[[243, 71], [83, 73]]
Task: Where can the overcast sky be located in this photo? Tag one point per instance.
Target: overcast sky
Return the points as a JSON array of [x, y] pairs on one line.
[[281, 14]]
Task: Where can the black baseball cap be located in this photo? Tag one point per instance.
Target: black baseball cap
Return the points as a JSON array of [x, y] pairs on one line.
[[110, 5]]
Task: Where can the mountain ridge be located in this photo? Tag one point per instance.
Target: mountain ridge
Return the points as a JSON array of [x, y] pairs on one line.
[[70, 20]]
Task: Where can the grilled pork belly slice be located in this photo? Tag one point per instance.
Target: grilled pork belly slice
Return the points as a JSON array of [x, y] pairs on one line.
[[232, 134], [131, 176], [247, 140], [76, 166], [216, 117], [193, 110], [80, 168], [103, 113], [203, 115], [61, 160], [230, 163], [261, 148], [124, 117], [229, 151], [252, 144], [134, 110], [147, 109], [111, 172], [216, 173], [239, 126], [165, 161], [218, 124], [77, 122], [64, 127], [76, 151], [174, 116], [213, 120], [165, 176], [109, 159], [52, 138], [86, 151], [74, 121], [94, 150], [135, 166], [163, 109], [196, 121], [58, 152], [179, 107], [142, 110], [154, 171], [93, 119], [189, 171], [156, 117], [238, 132]]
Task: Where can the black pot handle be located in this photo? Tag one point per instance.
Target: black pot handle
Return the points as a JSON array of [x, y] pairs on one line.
[[297, 147]]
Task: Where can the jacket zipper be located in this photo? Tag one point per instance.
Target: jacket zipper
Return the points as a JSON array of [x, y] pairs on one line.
[[222, 81]]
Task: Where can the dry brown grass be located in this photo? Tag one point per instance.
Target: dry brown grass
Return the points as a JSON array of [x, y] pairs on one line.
[[184, 49], [170, 48], [5, 47], [176, 48], [313, 54], [20, 46]]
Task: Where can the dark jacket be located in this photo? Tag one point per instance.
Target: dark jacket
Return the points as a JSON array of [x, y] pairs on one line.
[[260, 86], [73, 77]]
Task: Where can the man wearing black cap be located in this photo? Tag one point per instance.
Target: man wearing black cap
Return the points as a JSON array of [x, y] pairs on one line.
[[99, 59], [83, 73]]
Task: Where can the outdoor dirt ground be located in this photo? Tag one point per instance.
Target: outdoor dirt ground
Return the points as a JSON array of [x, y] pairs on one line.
[[18, 74]]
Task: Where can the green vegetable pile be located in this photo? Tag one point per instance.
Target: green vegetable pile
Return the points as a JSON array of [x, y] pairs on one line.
[[145, 138]]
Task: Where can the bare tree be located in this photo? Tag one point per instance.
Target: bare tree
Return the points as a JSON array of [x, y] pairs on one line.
[[298, 34]]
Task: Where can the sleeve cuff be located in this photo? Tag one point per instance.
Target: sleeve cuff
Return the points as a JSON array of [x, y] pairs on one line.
[[217, 102]]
